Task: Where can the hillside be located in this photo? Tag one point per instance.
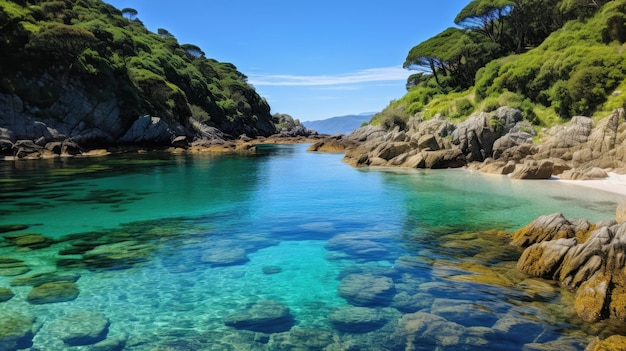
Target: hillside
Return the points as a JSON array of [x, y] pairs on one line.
[[552, 59], [86, 71], [341, 124]]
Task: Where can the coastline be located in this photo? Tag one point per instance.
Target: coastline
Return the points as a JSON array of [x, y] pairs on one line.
[[615, 183]]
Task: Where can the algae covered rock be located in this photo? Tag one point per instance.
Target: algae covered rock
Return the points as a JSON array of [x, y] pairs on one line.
[[16, 331], [612, 343], [53, 292], [29, 240], [548, 227], [544, 259], [265, 316]]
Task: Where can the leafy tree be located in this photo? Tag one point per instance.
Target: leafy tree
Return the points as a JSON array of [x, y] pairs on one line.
[[164, 33], [130, 13], [62, 42], [193, 50], [485, 17]]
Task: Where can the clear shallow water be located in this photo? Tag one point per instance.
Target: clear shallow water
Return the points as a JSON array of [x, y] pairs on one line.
[[187, 242]]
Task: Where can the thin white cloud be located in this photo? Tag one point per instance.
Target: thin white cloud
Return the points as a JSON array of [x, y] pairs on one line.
[[362, 76]]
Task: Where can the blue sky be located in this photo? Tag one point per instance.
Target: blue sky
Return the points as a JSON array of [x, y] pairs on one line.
[[311, 59]]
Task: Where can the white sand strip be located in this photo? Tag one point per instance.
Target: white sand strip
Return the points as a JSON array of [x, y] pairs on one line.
[[615, 183]]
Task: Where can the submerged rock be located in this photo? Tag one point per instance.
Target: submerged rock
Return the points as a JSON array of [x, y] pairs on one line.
[[265, 316], [433, 332], [302, 339], [222, 256], [367, 290], [118, 255], [53, 292], [16, 331], [42, 278], [357, 319], [83, 328], [272, 270], [464, 312], [29, 240], [6, 294], [11, 267]]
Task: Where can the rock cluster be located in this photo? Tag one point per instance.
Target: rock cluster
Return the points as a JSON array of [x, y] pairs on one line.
[[74, 124], [587, 258], [499, 142]]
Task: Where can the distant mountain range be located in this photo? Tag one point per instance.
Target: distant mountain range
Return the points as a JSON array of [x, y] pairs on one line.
[[341, 124]]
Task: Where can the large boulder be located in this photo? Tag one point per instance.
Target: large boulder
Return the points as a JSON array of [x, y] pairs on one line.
[[476, 135], [265, 316], [544, 228], [149, 130], [532, 169]]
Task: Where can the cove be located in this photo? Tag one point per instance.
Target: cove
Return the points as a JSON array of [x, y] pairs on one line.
[[278, 250]]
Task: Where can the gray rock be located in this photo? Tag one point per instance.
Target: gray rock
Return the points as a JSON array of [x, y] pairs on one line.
[[367, 290], [265, 316], [82, 328], [149, 130], [544, 228], [533, 170], [585, 173]]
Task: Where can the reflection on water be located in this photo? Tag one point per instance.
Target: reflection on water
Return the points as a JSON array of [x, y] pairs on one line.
[[281, 250]]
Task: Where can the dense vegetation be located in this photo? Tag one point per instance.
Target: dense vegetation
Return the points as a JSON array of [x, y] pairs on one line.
[[47, 45], [554, 59]]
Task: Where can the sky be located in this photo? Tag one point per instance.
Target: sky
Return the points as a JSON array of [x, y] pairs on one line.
[[310, 59]]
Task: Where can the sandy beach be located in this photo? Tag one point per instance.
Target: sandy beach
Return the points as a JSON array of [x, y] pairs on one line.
[[615, 183]]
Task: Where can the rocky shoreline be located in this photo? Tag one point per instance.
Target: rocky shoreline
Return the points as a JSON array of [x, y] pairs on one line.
[[498, 142]]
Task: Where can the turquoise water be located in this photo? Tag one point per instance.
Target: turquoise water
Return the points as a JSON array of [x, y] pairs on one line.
[[170, 247]]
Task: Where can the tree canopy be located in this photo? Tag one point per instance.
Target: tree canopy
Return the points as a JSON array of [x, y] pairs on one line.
[[564, 56]]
